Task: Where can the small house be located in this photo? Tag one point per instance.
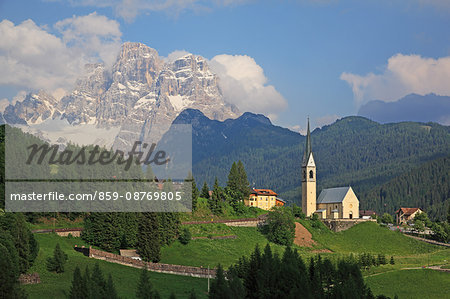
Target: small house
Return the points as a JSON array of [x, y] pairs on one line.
[[405, 215]]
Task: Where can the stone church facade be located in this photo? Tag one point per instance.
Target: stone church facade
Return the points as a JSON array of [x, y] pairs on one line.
[[332, 203]]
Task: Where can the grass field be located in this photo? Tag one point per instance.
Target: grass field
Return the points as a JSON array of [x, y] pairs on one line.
[[203, 213], [125, 278], [417, 283], [209, 230], [368, 237], [210, 252], [62, 222], [365, 237]]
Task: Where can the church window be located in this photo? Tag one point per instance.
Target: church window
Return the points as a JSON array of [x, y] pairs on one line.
[[311, 174]]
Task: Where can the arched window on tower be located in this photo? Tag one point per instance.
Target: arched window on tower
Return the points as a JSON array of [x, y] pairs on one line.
[[311, 174]]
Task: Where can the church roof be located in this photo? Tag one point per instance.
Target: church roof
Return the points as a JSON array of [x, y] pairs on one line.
[[333, 195]]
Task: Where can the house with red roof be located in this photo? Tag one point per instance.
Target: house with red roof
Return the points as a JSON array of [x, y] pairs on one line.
[[405, 215], [264, 199]]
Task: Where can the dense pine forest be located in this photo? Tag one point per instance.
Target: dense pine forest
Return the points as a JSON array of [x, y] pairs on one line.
[[426, 187], [353, 151]]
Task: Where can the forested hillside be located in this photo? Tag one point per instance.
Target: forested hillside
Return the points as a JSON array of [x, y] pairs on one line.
[[427, 187], [353, 151]]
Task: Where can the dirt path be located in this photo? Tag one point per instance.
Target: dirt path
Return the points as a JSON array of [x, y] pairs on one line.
[[303, 237]]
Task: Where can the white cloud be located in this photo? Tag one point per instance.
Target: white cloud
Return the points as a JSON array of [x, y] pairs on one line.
[[298, 129], [19, 97], [319, 122], [31, 57], [175, 55], [3, 104], [129, 9], [93, 34], [244, 84], [404, 74]]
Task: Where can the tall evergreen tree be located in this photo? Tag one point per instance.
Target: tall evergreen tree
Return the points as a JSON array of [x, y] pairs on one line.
[[233, 178], [190, 189], [244, 185], [205, 191], [57, 261], [9, 287], [215, 202], [149, 244], [98, 283], [219, 286], [78, 289], [195, 194], [144, 288], [110, 290], [169, 226]]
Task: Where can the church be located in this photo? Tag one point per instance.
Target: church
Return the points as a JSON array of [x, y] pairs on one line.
[[333, 203]]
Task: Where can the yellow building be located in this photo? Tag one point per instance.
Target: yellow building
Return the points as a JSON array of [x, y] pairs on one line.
[[333, 203], [264, 199], [338, 203]]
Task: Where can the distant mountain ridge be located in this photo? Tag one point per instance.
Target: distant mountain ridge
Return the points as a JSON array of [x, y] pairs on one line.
[[412, 107], [352, 151]]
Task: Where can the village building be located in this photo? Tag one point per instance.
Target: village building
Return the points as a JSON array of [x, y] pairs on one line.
[[367, 214], [264, 199], [405, 215], [333, 203]]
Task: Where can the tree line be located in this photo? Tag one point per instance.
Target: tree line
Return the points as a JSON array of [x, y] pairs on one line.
[[267, 275]]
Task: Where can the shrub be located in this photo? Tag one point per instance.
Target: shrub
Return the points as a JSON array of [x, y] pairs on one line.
[[185, 236], [387, 218], [281, 226]]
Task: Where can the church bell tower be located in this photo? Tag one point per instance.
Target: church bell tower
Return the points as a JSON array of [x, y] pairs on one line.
[[308, 178]]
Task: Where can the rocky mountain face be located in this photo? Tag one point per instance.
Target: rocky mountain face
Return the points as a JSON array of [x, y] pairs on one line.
[[141, 94]]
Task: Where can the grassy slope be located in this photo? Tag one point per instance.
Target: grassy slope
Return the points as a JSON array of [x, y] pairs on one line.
[[366, 237], [418, 283], [210, 252], [125, 278], [390, 279], [369, 237]]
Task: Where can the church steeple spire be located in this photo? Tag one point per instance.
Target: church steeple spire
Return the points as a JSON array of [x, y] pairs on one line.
[[308, 178], [308, 149]]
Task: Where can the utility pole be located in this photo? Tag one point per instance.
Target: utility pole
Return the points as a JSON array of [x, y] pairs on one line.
[[208, 279]]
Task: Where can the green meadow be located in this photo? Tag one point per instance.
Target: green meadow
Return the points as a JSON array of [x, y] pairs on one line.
[[125, 278], [365, 237], [414, 283]]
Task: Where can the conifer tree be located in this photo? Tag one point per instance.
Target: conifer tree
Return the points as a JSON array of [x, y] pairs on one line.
[[205, 191], [169, 226], [195, 194], [110, 291], [57, 261], [233, 178], [98, 283], [392, 261], [219, 286], [215, 202], [78, 289], [244, 185], [190, 189], [148, 242], [144, 288], [8, 274]]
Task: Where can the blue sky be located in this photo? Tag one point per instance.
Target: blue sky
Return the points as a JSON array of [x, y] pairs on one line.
[[323, 58]]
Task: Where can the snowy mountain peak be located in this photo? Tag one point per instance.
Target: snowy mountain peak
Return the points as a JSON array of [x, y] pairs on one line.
[[139, 96]]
